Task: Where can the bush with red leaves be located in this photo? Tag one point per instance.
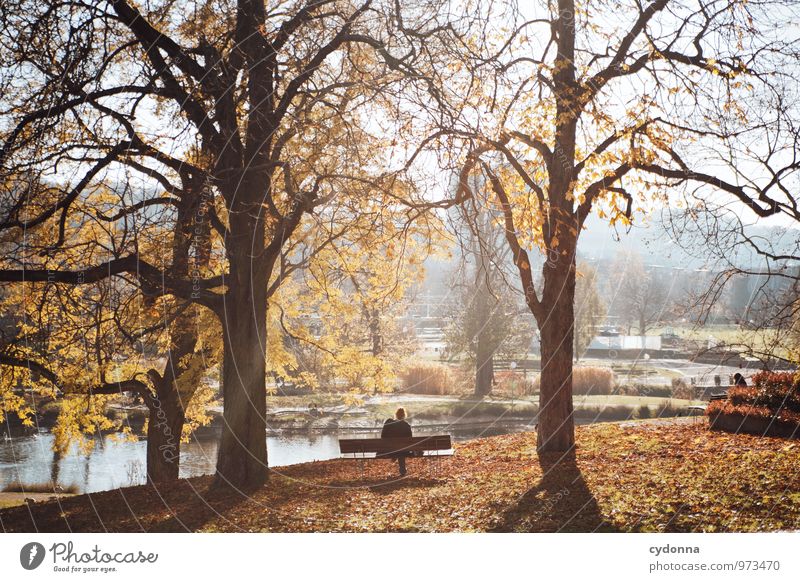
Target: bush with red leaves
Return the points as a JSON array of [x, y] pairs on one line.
[[773, 395], [729, 407]]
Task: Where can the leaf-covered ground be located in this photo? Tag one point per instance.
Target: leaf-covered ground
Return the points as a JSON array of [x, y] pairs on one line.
[[636, 476]]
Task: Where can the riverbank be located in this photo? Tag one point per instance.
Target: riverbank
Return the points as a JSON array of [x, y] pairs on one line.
[[16, 498], [629, 476], [326, 411]]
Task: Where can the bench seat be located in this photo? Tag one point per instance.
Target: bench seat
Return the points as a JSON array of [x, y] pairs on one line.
[[441, 445]]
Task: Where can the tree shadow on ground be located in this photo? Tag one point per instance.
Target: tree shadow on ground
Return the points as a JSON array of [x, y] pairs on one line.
[[176, 507], [199, 507], [390, 485], [560, 502]]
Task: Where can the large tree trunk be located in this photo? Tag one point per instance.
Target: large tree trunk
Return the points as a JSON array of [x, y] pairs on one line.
[[164, 428], [242, 460], [557, 321], [484, 368], [242, 456], [484, 351], [556, 430]]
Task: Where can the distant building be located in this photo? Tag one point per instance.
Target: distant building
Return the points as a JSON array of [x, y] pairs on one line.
[[619, 343], [432, 348]]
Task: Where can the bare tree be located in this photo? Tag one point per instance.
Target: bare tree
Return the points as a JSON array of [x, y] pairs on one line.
[[640, 297], [590, 310], [486, 315]]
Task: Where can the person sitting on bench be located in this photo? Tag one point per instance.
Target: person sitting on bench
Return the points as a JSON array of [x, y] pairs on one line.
[[398, 428]]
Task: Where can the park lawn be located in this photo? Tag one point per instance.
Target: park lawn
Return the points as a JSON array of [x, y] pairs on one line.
[[631, 476], [729, 334], [630, 401]]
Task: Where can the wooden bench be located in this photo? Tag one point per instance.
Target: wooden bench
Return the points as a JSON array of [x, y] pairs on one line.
[[428, 446], [701, 408], [691, 410]]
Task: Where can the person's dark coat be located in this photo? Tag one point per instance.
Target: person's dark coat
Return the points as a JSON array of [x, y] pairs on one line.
[[395, 429]]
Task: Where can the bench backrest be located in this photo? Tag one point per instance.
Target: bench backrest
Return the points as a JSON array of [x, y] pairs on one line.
[[395, 445]]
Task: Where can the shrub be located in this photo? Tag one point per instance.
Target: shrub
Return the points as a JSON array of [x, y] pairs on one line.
[[668, 410], [626, 390], [600, 413], [774, 395], [587, 380], [430, 379], [681, 389], [659, 391], [463, 379], [477, 409], [654, 391], [592, 380], [777, 381], [514, 384], [644, 411], [771, 390], [728, 407], [645, 390], [772, 398]]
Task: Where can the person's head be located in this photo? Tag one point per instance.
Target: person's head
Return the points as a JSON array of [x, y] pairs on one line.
[[737, 376], [400, 414]]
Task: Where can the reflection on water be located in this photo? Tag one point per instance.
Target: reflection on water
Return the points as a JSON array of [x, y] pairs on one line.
[[119, 463]]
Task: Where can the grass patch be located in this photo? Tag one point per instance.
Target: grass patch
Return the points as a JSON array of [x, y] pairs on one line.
[[468, 409], [631, 401], [18, 487], [321, 399]]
